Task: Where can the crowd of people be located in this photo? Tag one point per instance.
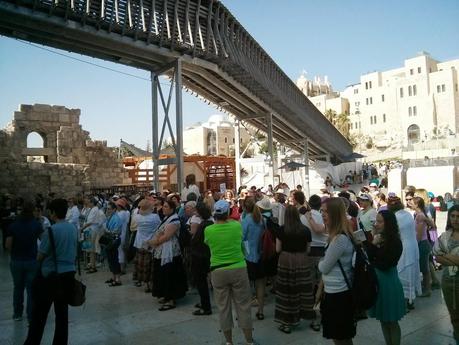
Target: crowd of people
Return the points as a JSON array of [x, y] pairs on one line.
[[241, 245]]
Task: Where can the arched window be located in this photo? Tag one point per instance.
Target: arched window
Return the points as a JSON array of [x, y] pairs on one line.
[[35, 140], [414, 134]]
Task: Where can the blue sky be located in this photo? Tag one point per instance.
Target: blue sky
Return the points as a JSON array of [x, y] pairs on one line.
[[340, 39]]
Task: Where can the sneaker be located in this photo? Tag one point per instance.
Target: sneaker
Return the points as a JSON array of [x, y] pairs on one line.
[[410, 306]]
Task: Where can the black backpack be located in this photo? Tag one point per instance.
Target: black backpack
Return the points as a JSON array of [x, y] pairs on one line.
[[365, 284], [184, 236]]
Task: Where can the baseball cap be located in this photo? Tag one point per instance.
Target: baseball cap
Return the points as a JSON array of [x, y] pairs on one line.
[[365, 197], [221, 207]]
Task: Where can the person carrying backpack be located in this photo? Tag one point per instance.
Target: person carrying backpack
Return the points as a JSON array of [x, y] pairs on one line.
[[384, 252], [334, 294]]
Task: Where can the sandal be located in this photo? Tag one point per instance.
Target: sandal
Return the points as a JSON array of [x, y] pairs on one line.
[[201, 312], [285, 329], [166, 307], [260, 316], [115, 283], [315, 326], [109, 281]]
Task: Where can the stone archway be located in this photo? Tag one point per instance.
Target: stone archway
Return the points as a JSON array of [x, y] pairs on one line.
[[36, 143], [413, 134]]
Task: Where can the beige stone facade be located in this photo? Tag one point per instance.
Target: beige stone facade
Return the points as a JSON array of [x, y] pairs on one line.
[[73, 163]]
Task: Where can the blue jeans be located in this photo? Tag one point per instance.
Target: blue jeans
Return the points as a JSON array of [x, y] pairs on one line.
[[23, 273]]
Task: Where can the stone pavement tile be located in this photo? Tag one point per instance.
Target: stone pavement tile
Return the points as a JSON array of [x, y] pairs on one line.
[[427, 337]]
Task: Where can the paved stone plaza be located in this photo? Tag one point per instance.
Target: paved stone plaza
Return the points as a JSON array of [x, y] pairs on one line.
[[126, 315]]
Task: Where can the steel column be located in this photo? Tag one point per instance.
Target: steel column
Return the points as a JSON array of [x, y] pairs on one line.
[[269, 121], [179, 124], [306, 169], [237, 153], [155, 138]]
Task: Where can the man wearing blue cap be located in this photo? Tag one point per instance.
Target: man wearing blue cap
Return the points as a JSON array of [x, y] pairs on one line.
[[229, 272]]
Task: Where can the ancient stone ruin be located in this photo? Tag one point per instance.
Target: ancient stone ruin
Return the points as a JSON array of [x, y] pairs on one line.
[[69, 161]]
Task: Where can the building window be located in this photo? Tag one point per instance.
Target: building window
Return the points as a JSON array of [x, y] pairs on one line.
[[366, 100], [419, 69], [411, 71], [382, 98], [351, 125], [443, 88], [401, 92], [438, 89], [226, 140], [233, 140], [409, 90], [369, 84], [366, 85], [356, 91], [384, 118], [374, 120], [371, 120], [410, 111], [360, 125], [358, 103], [414, 111], [371, 100], [414, 90]]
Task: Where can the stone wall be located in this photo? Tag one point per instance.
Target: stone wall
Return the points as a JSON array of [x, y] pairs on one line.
[[73, 162]]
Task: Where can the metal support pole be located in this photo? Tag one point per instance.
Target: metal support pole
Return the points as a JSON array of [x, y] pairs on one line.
[[269, 121], [237, 152], [179, 124], [155, 137], [306, 169]]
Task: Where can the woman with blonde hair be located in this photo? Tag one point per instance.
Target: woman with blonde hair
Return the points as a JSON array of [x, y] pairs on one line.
[[294, 287], [252, 231], [336, 298], [209, 200]]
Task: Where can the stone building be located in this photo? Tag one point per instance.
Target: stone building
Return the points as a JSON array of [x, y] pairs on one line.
[[68, 162], [214, 137]]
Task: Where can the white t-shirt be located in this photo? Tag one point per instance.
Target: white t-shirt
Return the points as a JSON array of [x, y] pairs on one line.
[[192, 188], [194, 219], [318, 240], [278, 212], [368, 218]]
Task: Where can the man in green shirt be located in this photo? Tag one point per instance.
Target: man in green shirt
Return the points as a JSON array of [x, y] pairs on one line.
[[229, 273]]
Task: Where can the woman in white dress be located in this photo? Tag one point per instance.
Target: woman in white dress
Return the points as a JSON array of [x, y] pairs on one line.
[[408, 265]]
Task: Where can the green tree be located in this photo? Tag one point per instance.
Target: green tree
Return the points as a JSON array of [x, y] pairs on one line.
[[340, 121]]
